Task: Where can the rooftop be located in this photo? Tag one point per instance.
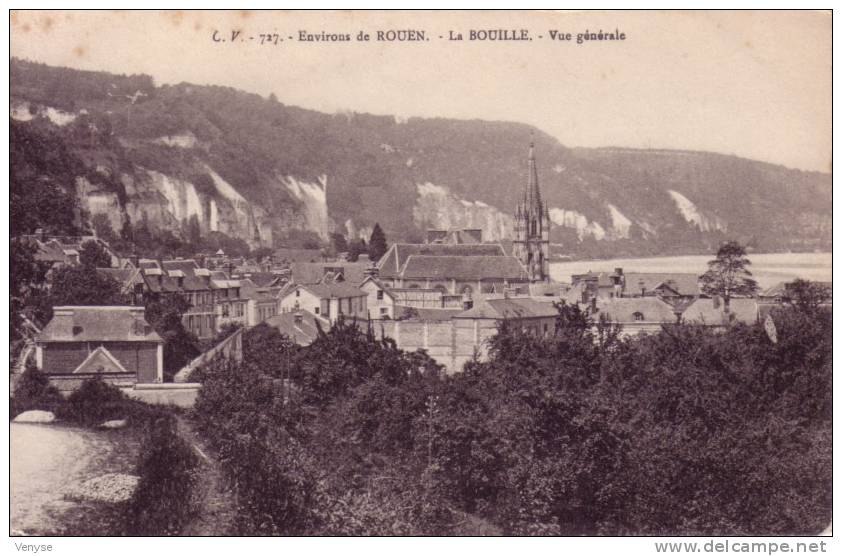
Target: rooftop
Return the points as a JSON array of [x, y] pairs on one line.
[[303, 332], [98, 324], [462, 268]]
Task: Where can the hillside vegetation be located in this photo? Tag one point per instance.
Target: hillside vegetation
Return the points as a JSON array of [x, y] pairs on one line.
[[259, 171]]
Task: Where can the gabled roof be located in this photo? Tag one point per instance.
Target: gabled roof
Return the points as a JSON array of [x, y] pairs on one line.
[[390, 264], [712, 312], [462, 268], [372, 280], [325, 291], [683, 283], [100, 360], [623, 309], [302, 333], [98, 324], [126, 277], [509, 308]]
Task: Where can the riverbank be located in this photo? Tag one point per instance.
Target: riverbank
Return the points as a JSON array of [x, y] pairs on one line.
[[767, 268]]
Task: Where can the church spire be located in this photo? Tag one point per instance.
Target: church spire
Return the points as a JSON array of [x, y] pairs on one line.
[[532, 194]]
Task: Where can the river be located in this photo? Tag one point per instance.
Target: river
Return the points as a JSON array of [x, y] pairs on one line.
[[768, 268]]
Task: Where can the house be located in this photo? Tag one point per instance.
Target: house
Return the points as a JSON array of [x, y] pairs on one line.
[[328, 272], [228, 305], [381, 302], [261, 304], [711, 312], [116, 344], [299, 326], [130, 278], [669, 286], [635, 315], [329, 301]]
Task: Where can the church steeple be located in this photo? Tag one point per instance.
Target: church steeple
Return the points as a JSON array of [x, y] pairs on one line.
[[532, 225], [532, 193]]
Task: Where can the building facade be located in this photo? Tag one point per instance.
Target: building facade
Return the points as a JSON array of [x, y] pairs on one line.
[[531, 244], [116, 344]]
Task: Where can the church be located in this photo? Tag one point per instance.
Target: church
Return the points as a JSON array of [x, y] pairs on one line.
[[531, 243]]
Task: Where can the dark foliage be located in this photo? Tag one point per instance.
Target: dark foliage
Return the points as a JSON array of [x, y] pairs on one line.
[[93, 403], [34, 391], [163, 501], [180, 346], [687, 431], [377, 244], [94, 255]]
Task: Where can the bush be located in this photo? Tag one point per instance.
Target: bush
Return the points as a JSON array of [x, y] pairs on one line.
[[34, 391], [163, 501], [94, 402]]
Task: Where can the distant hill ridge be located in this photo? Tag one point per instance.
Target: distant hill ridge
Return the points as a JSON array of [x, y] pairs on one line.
[[258, 170]]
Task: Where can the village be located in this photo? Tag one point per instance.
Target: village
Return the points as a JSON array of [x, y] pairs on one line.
[[447, 296]]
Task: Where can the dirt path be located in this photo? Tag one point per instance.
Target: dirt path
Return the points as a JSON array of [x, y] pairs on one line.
[[45, 461], [217, 505]]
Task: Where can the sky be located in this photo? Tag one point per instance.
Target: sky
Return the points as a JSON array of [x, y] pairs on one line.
[[752, 84]]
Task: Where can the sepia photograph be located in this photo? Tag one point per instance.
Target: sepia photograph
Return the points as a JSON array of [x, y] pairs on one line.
[[421, 274]]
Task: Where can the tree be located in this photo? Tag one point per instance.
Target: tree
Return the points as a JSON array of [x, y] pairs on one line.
[[103, 228], [94, 255], [355, 249], [377, 243], [728, 275], [83, 285], [807, 296], [180, 346], [340, 244]]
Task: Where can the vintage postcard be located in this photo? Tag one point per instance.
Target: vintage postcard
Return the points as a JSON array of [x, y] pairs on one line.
[[421, 273]]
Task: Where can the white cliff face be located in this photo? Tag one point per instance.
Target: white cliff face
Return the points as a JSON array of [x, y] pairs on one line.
[[436, 207], [620, 224], [577, 221], [313, 196], [181, 196], [693, 215], [95, 201]]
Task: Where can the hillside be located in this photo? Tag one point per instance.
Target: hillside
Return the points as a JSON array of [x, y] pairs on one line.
[[255, 169]]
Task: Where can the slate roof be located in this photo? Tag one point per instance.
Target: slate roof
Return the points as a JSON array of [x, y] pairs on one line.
[[98, 324], [704, 311], [509, 308], [681, 282], [622, 309], [390, 264], [324, 291], [302, 333], [462, 268], [316, 273]]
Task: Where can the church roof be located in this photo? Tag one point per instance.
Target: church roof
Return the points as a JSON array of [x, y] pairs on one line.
[[462, 268], [391, 263]]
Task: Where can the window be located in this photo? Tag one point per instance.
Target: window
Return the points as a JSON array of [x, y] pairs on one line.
[[225, 310], [638, 316], [239, 309], [317, 310], [384, 311], [379, 295], [297, 293]]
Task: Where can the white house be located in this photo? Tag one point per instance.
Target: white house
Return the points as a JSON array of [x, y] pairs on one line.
[[328, 301], [381, 302]]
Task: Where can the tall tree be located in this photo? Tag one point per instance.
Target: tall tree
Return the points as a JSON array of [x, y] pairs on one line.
[[728, 274], [94, 255], [180, 346], [377, 243]]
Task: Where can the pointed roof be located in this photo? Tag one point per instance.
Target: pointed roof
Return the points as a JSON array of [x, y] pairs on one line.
[[100, 361], [532, 193]]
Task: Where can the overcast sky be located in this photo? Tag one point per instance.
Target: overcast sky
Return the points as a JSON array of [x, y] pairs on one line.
[[756, 85]]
